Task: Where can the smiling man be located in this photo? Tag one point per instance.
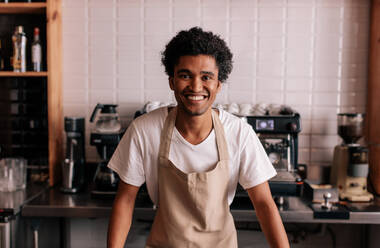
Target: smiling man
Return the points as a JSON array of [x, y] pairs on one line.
[[195, 83], [192, 156]]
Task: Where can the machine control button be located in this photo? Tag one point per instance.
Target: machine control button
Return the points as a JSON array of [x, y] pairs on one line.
[[293, 126], [263, 125]]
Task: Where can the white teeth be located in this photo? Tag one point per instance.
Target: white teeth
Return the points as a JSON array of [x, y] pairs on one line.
[[195, 98]]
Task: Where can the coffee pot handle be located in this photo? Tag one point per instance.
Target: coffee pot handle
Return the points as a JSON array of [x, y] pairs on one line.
[[98, 106]]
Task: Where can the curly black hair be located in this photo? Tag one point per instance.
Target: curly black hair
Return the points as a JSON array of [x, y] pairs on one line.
[[195, 41]]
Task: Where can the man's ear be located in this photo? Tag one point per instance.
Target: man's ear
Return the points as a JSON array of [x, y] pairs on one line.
[[219, 87], [171, 83]]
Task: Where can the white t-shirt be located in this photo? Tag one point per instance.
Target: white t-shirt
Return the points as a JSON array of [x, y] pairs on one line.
[[136, 157]]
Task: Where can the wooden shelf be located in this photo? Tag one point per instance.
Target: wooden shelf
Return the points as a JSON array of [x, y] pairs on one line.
[[23, 74], [22, 8], [51, 14]]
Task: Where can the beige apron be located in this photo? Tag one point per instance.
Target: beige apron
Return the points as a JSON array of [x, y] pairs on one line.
[[193, 208]]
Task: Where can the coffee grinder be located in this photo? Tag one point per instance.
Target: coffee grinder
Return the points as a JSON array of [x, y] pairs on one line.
[[73, 166], [350, 164], [105, 136]]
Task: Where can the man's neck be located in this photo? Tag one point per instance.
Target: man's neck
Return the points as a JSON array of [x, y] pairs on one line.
[[194, 129]]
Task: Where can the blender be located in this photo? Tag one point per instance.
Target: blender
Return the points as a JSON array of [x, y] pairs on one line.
[[105, 136], [350, 163]]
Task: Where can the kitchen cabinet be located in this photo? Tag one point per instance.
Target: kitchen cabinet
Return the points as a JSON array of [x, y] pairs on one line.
[[47, 16]]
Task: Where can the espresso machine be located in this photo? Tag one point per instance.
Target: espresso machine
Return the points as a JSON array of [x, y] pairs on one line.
[[73, 167], [279, 136], [105, 136], [350, 163]]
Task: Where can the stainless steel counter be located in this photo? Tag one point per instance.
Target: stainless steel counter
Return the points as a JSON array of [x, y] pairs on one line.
[[11, 202], [53, 203]]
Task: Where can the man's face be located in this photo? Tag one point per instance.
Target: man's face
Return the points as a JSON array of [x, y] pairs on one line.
[[195, 83]]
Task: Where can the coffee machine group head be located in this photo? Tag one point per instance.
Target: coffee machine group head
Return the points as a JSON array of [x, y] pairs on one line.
[[106, 135], [350, 163], [73, 166]]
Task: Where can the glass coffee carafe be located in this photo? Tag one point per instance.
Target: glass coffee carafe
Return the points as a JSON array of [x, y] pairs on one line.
[[107, 121]]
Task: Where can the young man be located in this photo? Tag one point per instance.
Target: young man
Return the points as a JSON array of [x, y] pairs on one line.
[[192, 157]]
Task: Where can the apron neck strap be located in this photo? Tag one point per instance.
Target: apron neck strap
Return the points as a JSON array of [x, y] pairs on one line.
[[220, 136], [167, 132]]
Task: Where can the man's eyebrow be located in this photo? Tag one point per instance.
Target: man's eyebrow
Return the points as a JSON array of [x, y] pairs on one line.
[[202, 72], [208, 73], [183, 70]]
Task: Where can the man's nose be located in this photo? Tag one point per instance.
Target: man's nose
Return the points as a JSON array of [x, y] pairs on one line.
[[196, 84]]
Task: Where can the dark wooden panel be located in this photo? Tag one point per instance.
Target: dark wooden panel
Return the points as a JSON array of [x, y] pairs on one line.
[[373, 100]]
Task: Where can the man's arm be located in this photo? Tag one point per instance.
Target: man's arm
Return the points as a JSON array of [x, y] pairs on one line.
[[268, 215], [121, 217]]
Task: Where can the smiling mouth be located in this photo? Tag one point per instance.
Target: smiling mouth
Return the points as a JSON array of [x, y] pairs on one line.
[[195, 98]]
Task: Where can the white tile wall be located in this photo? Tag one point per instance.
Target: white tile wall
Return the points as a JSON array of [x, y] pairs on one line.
[[310, 54]]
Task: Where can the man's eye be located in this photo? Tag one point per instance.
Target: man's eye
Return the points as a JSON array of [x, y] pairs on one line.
[[184, 76], [206, 78]]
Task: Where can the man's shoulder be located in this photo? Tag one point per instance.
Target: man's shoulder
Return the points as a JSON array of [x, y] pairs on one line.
[[231, 121], [237, 130], [154, 115], [151, 120]]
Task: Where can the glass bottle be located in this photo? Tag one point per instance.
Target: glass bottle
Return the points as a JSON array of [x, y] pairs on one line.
[[19, 50], [36, 50]]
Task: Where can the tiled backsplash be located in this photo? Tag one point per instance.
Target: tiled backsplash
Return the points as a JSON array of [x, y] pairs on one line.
[[310, 54]]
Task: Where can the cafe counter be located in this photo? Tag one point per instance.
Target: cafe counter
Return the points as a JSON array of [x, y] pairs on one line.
[[53, 203]]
